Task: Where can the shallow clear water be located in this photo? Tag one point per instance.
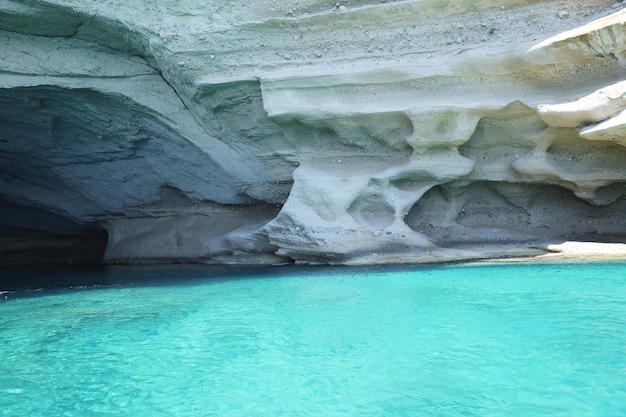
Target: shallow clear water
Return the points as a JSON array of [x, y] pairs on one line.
[[490, 340]]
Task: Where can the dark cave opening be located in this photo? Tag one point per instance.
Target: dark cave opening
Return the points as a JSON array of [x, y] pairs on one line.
[[32, 236]]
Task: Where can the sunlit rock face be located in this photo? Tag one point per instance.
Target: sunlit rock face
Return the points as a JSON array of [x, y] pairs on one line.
[[263, 132]]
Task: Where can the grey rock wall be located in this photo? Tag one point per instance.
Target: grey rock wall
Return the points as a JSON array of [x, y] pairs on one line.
[[361, 131]]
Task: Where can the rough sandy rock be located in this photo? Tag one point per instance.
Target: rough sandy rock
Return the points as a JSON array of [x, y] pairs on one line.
[[362, 131]]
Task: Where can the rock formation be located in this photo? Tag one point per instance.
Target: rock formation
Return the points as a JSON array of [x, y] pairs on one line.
[[361, 131]]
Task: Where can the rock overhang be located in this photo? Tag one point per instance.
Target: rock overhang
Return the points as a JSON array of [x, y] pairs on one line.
[[232, 133]]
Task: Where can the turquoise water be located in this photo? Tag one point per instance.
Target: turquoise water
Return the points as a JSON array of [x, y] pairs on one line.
[[491, 340]]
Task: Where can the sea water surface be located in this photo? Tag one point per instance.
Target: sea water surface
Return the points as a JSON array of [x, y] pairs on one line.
[[481, 340]]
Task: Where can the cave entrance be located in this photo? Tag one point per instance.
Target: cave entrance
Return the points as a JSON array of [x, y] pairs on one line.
[[32, 236]]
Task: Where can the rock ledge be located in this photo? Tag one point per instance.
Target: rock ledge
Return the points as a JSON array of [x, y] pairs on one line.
[[355, 132]]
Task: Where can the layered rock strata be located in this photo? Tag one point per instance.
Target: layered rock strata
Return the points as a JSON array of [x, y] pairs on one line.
[[360, 131]]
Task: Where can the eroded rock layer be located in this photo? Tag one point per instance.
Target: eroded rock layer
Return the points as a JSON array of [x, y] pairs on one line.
[[360, 131]]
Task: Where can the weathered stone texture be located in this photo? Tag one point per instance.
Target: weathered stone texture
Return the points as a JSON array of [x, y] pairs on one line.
[[306, 131]]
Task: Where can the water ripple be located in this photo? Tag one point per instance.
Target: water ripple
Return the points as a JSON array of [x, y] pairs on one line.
[[449, 341]]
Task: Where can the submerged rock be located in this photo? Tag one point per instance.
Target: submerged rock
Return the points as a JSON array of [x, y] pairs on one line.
[[238, 132]]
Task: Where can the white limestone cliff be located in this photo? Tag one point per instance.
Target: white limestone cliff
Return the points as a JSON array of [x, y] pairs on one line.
[[360, 131]]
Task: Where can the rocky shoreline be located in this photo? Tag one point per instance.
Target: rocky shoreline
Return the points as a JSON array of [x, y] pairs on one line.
[[355, 132]]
